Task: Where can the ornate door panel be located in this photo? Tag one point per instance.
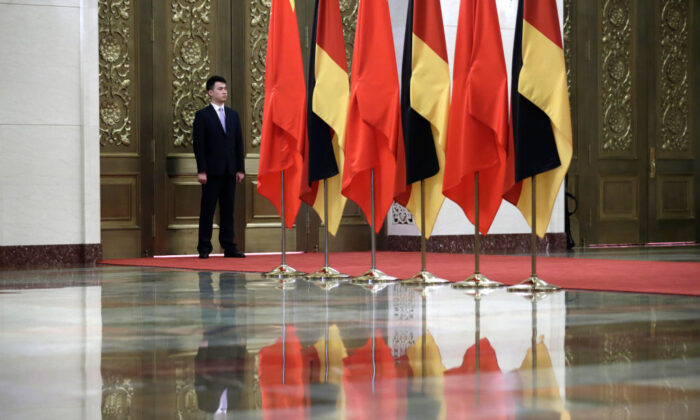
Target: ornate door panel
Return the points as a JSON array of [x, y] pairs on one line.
[[125, 145], [634, 176], [673, 163], [191, 42], [620, 153]]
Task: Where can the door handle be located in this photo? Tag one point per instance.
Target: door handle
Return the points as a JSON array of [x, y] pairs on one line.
[[652, 162]]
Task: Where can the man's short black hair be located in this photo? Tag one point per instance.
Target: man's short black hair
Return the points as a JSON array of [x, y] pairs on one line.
[[212, 81]]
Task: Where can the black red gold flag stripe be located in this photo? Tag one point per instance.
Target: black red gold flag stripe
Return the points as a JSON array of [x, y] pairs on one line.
[[541, 116], [425, 102], [328, 90]]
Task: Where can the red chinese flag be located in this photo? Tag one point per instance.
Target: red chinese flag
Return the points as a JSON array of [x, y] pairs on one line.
[[478, 125], [373, 131], [284, 113]]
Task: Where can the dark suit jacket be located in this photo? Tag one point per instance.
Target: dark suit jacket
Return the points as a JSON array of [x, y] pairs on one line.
[[218, 152]]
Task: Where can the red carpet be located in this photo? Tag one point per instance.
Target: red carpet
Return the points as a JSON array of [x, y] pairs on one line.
[[681, 278]]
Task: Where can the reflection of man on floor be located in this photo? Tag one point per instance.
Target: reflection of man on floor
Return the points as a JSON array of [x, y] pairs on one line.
[[220, 361]]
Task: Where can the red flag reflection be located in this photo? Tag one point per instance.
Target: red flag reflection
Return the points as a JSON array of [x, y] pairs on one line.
[[282, 383], [369, 380]]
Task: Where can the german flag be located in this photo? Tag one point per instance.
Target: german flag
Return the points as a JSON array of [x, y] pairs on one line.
[[425, 103], [328, 90], [541, 117], [478, 126], [373, 131], [284, 113], [336, 354]]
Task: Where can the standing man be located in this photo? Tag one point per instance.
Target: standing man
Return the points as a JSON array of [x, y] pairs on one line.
[[218, 149]]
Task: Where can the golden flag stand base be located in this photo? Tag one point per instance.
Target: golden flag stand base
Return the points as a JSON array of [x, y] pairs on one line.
[[423, 277], [326, 283], [477, 280], [325, 272], [533, 285], [372, 279], [327, 278], [283, 271], [373, 276]]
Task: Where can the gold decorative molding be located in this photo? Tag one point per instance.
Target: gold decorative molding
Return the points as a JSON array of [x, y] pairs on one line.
[[569, 30], [348, 11], [115, 72], [117, 395], [616, 77], [191, 64], [568, 39], [185, 393], [673, 74], [617, 349], [259, 13]]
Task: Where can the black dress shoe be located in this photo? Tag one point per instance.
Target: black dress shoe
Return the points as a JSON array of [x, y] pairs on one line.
[[203, 255], [234, 254]]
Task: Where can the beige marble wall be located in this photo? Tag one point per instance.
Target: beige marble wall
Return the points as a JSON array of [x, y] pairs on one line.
[[49, 138]]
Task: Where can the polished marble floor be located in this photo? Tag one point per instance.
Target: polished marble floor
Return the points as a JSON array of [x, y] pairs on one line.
[[139, 343]]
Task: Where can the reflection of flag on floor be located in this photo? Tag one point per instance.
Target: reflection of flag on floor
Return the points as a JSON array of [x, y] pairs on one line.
[[282, 385], [369, 379], [327, 109], [373, 131], [433, 382], [336, 353], [284, 113], [478, 128], [489, 398], [547, 392], [425, 103], [541, 118]]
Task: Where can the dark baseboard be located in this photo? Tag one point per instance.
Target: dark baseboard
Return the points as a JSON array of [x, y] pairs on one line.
[[49, 256], [515, 243]]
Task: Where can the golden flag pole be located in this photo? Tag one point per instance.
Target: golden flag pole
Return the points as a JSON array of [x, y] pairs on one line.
[[373, 276], [476, 280], [283, 271], [533, 283], [423, 276], [325, 272]]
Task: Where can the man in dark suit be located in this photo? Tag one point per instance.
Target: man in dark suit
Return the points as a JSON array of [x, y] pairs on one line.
[[218, 149], [221, 360]]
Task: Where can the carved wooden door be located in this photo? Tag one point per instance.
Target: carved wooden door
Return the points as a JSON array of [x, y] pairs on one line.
[[126, 146], [191, 42], [635, 165]]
